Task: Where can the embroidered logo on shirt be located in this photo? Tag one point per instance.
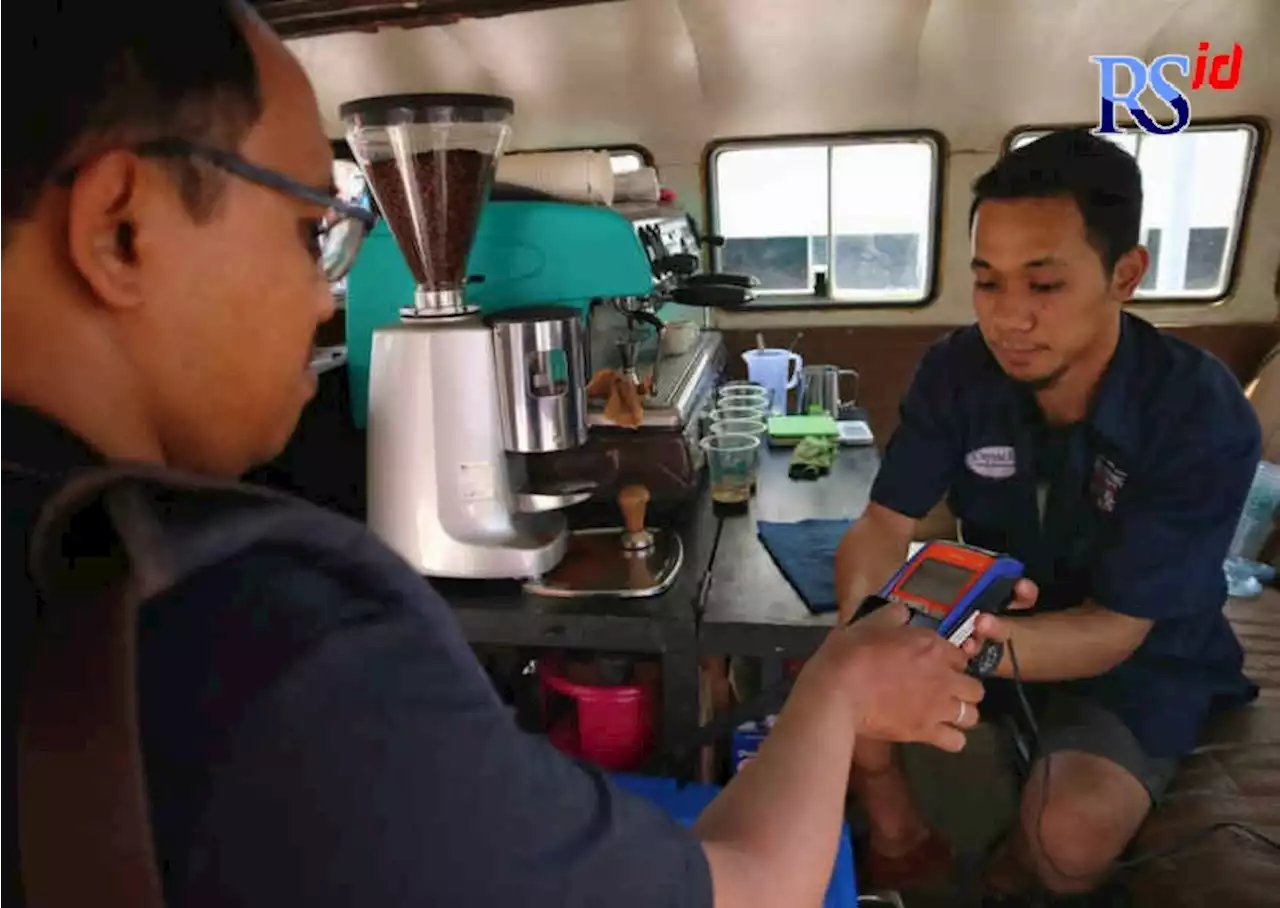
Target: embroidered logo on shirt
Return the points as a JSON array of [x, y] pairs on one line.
[[993, 461], [1108, 480]]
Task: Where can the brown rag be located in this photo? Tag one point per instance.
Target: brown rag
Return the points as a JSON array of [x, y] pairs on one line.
[[625, 404]]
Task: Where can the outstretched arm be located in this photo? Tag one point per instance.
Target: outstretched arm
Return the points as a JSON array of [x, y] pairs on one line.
[[771, 836], [379, 765]]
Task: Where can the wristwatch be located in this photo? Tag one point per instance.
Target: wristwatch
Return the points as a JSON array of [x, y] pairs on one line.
[[984, 664]]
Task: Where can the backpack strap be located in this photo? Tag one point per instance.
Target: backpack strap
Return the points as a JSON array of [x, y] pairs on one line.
[[110, 539], [84, 826]]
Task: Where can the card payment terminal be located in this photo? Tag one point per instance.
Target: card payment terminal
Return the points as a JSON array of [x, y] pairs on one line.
[[946, 585]]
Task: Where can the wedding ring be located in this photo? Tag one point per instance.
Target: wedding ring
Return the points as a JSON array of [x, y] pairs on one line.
[[960, 718]]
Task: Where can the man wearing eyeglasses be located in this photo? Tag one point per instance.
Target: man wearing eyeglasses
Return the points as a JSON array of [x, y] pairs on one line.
[[309, 740]]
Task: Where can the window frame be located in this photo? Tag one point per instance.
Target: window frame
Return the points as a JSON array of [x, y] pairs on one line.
[[1261, 140], [791, 302]]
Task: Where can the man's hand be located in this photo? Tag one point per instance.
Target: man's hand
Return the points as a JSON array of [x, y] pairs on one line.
[[996, 628], [903, 683]]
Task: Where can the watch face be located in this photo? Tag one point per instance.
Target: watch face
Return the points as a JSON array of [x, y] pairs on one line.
[[987, 659]]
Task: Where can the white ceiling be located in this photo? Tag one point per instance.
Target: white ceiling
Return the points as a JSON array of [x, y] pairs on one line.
[[675, 74]]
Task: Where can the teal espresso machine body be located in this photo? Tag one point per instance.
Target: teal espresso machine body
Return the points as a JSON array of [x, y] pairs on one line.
[[526, 253]]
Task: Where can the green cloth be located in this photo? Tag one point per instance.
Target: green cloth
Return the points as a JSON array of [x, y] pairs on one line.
[[812, 458]]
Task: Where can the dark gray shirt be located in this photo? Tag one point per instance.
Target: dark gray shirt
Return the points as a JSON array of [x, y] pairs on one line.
[[306, 744]]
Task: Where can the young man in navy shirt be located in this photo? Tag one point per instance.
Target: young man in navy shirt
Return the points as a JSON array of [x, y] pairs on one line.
[[1109, 457], [307, 739]]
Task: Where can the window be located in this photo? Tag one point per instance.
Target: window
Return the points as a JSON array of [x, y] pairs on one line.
[[842, 220], [349, 181], [1194, 185]]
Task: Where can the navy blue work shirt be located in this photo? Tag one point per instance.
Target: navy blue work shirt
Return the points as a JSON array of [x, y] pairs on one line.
[[306, 744], [1139, 503]]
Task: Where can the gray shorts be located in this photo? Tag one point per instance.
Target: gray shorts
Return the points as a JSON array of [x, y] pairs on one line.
[[1069, 722], [974, 795]]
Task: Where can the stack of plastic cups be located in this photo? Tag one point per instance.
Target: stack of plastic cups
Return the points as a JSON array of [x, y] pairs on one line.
[[749, 428], [744, 395], [743, 410]]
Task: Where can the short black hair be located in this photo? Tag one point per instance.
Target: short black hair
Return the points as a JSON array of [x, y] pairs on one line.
[[101, 72], [1103, 179]]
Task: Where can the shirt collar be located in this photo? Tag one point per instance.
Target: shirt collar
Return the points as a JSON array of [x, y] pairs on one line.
[[1112, 413], [36, 442]]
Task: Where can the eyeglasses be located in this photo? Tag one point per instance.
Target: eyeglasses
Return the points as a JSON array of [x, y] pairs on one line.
[[341, 231]]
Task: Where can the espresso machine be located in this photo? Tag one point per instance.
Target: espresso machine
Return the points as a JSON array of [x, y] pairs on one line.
[[483, 378], [653, 255]]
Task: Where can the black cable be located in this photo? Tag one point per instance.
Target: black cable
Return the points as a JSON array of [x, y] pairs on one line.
[[1185, 844]]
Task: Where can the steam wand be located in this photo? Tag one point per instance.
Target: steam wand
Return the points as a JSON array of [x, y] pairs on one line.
[[629, 349]]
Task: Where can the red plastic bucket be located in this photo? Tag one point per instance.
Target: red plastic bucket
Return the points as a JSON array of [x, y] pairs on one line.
[[611, 726]]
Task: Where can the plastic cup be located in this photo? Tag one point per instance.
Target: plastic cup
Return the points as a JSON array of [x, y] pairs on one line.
[[731, 460], [730, 395], [749, 388], [753, 427], [759, 403], [727, 414], [756, 428]]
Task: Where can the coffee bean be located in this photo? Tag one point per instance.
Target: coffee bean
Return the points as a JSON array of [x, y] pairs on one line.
[[452, 186]]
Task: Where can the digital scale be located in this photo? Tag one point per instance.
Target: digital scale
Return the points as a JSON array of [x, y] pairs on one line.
[[787, 431]]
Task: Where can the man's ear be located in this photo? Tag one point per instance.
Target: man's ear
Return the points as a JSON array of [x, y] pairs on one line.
[[1129, 272], [102, 226]]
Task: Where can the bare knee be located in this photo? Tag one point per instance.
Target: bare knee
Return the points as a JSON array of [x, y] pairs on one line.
[[1072, 845], [1093, 810]]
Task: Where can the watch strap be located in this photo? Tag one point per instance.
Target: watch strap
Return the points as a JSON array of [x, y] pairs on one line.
[[868, 605], [988, 659]]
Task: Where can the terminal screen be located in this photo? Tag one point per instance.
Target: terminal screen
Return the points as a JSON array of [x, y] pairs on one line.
[[937, 581]]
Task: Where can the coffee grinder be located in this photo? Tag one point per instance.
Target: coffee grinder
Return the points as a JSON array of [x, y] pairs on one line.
[[455, 400], [463, 407]]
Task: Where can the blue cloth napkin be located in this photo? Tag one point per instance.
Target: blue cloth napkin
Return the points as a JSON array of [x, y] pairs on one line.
[[805, 552]]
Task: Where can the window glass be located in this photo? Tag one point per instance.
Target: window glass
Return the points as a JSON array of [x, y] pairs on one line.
[[349, 181], [843, 220]]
